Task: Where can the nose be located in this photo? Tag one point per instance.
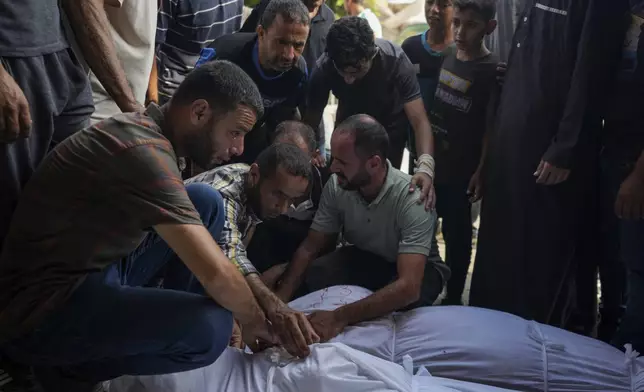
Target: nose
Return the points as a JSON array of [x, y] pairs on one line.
[[237, 147], [349, 79], [289, 53], [435, 9]]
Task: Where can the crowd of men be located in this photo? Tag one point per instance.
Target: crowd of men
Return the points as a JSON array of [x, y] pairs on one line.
[[117, 259]]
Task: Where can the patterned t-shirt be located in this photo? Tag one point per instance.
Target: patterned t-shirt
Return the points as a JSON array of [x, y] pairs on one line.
[[88, 205]]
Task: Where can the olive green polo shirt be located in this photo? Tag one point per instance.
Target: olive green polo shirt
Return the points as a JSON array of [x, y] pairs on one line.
[[393, 223]]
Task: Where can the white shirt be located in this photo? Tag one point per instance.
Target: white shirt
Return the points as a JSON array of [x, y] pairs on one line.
[[133, 28]]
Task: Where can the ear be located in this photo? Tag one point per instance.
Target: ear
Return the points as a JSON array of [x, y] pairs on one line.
[[253, 174], [491, 26], [374, 162], [260, 31], [200, 112]]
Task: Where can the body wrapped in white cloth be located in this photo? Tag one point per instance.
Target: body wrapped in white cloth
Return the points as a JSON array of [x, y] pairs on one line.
[[464, 349]]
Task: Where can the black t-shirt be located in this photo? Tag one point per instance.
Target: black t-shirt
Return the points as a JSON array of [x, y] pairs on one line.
[[463, 106], [281, 93], [381, 93]]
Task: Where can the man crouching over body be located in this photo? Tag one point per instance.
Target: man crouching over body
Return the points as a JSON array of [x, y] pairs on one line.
[[103, 213], [369, 201], [264, 190]]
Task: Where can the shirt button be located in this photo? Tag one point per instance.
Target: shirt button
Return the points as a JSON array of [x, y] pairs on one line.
[[518, 44], [525, 18]]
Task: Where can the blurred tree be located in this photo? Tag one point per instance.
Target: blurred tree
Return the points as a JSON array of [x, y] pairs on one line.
[[336, 5]]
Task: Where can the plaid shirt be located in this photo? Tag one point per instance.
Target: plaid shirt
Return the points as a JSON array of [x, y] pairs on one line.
[[241, 221]]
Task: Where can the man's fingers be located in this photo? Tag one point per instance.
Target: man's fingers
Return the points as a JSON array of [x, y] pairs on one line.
[[309, 333], [414, 183], [297, 337], [543, 176], [540, 168], [24, 119]]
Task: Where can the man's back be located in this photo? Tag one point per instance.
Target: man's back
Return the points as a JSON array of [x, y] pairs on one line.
[[87, 206]]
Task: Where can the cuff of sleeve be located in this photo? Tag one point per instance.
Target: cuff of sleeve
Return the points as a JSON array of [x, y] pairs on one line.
[[413, 249], [558, 156], [322, 229], [246, 267]]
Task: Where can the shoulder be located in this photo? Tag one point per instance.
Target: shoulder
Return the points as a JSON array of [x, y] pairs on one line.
[[222, 177], [401, 197], [389, 49], [127, 131], [410, 44], [231, 45], [301, 69], [323, 65], [327, 15]]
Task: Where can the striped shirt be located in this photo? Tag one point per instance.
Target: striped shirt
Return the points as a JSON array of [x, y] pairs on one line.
[[241, 221], [184, 27]]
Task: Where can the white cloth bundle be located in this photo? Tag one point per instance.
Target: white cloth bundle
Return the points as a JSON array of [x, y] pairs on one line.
[[331, 367], [465, 350], [487, 347]]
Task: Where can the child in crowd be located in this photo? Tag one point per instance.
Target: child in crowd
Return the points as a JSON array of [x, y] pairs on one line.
[[427, 51], [462, 112]]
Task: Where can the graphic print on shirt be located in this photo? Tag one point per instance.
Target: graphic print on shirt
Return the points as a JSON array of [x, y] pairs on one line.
[[452, 90], [633, 53]]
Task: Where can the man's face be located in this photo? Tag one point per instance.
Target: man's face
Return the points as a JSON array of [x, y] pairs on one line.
[[353, 73], [216, 136], [469, 29], [271, 197], [439, 13], [352, 172], [313, 6], [281, 44]]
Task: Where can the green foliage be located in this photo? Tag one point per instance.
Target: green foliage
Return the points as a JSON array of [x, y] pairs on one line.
[[251, 3], [336, 5]]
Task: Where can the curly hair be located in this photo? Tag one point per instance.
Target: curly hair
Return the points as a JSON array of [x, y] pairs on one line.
[[350, 41], [485, 8]]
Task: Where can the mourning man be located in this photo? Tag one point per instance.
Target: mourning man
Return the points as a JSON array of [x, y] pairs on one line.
[[368, 201], [375, 78], [272, 57], [252, 194], [77, 255]]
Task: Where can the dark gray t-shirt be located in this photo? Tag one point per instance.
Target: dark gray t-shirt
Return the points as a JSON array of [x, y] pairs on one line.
[[30, 28]]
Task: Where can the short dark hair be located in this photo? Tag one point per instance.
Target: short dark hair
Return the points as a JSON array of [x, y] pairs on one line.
[[350, 40], [223, 84], [292, 11], [485, 8], [287, 156], [292, 128], [370, 137]]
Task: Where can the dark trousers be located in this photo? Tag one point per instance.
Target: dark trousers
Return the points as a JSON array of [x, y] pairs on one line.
[[60, 102], [112, 326], [349, 265], [454, 207]]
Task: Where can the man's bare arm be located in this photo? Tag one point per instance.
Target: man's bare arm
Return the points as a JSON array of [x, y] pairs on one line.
[[153, 84], [402, 292], [91, 29], [220, 278], [415, 111], [308, 250]]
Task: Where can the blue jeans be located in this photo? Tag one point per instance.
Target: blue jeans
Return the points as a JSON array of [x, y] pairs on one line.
[[113, 326]]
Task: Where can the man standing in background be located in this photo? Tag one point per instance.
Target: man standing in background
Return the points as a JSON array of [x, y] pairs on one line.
[[184, 27], [133, 27], [44, 91], [539, 157]]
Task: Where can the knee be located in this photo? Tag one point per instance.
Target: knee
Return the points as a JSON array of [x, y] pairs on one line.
[[209, 204], [212, 332]]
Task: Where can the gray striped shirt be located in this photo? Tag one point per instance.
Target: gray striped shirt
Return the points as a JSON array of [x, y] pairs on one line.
[[184, 27]]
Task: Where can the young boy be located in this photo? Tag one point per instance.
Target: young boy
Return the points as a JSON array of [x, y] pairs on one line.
[[462, 111], [426, 52]]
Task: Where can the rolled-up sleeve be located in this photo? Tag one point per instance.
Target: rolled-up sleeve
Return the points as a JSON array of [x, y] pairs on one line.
[[231, 242], [327, 218]]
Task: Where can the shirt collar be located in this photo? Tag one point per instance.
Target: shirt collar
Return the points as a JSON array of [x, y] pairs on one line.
[[385, 186]]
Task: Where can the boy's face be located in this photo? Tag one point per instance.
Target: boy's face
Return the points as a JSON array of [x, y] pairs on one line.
[[439, 13], [470, 29]]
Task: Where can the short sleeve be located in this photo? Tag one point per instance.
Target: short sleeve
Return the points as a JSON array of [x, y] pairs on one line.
[[149, 187], [318, 86], [416, 227], [406, 80], [328, 218]]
